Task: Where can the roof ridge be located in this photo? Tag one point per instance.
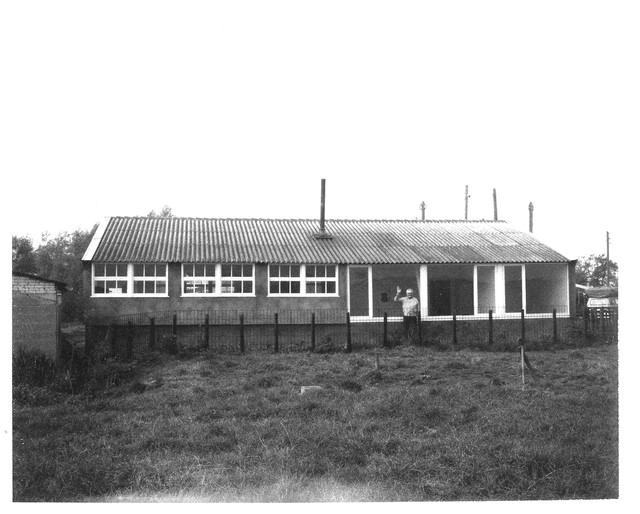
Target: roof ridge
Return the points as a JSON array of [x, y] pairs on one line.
[[315, 220]]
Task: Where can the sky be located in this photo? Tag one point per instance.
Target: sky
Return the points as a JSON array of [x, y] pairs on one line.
[[238, 109]]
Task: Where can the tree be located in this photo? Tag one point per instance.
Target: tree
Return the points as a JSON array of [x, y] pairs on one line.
[[59, 258], [164, 213], [592, 271], [22, 256]]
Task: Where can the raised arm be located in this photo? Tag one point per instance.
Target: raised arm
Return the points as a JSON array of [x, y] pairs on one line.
[[397, 296]]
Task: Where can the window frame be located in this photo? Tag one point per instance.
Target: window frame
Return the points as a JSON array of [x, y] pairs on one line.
[[218, 280], [130, 280], [303, 281]]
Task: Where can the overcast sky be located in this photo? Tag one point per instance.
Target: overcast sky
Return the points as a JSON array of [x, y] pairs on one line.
[[237, 109]]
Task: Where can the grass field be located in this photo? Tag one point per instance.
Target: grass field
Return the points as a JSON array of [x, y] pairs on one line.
[[427, 425]]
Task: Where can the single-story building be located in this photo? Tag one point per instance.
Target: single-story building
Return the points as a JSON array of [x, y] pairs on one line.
[[467, 268], [36, 314]]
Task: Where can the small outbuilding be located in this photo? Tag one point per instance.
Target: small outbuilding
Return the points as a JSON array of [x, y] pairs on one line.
[[36, 314]]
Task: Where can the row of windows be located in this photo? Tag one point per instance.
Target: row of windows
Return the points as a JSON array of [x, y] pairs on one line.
[[214, 279]]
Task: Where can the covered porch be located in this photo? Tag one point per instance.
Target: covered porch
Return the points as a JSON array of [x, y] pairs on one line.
[[470, 291]]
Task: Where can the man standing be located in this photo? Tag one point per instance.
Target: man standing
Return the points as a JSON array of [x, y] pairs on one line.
[[410, 310]]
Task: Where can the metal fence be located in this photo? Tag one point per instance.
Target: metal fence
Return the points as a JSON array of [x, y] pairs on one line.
[[234, 331]]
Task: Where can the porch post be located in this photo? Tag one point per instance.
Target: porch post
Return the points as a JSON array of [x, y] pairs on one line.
[[424, 292]]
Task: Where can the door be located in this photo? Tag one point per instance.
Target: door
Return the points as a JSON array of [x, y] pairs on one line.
[[359, 291]]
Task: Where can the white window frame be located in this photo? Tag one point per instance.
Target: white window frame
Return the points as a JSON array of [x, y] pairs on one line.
[[303, 281], [326, 279], [203, 279], [231, 278], [129, 280], [155, 278], [218, 280]]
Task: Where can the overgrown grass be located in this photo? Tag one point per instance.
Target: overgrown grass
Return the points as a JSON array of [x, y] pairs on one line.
[[427, 425]]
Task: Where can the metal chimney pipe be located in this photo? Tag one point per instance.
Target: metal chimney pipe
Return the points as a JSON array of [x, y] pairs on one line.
[[466, 202], [423, 206], [495, 205], [322, 229], [530, 216]]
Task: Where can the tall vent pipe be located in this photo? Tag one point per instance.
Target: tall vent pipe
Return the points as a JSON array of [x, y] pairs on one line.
[[322, 233], [322, 227]]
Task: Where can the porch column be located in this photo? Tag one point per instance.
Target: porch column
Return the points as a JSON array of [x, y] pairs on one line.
[[500, 297], [423, 286]]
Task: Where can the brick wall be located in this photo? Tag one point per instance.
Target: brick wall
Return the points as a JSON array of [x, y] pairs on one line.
[[34, 320], [30, 285]]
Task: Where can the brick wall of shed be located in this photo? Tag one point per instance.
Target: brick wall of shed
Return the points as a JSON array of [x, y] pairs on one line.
[[118, 306], [34, 319]]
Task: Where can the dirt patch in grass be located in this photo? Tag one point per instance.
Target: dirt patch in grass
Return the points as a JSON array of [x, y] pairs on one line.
[[426, 425]]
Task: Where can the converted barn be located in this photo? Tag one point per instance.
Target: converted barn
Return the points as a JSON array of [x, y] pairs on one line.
[[36, 314], [467, 268]]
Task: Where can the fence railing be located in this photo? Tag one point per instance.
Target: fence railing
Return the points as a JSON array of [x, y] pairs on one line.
[[132, 336]]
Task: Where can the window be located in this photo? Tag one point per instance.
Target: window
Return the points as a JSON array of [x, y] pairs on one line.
[[149, 279], [450, 289], [301, 279], [320, 279], [129, 279], [236, 278], [486, 286], [284, 279], [546, 288], [198, 279], [204, 279], [513, 288], [110, 278]]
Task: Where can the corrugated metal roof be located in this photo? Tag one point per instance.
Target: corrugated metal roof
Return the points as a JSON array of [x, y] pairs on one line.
[[129, 239]]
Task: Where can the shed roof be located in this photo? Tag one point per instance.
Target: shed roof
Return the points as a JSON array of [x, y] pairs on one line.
[[58, 283], [227, 240]]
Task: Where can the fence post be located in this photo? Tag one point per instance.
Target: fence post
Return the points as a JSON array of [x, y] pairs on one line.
[[275, 333], [522, 334], [313, 331], [419, 321], [385, 339], [585, 316], [113, 340], [152, 333], [206, 331], [555, 326], [455, 329], [490, 326], [129, 340], [348, 347], [174, 331], [241, 333]]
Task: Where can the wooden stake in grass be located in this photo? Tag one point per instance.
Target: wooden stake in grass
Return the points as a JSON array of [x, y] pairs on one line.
[[522, 362], [348, 347]]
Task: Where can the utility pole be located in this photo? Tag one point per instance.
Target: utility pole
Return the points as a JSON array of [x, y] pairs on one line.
[[423, 206], [466, 202], [495, 205], [608, 281]]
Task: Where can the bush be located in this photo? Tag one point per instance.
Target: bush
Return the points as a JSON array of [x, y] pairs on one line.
[[32, 367]]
